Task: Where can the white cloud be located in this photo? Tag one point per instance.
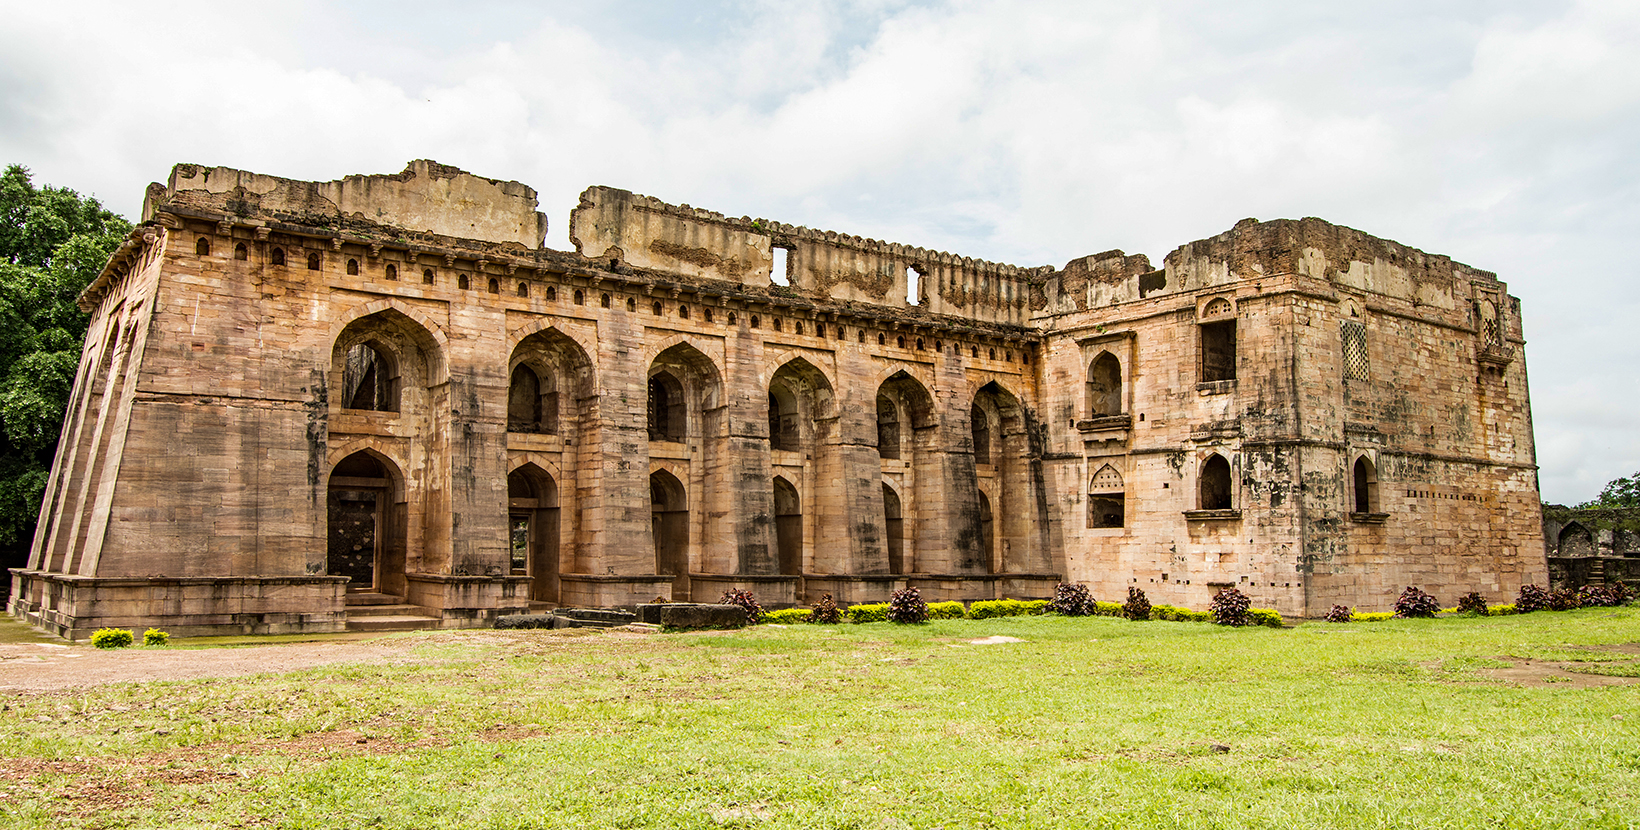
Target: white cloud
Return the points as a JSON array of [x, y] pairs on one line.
[[1499, 133]]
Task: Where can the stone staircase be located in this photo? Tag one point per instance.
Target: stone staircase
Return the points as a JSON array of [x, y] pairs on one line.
[[385, 612]]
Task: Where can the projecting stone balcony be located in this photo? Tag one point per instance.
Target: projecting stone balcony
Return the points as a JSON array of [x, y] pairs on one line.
[[1216, 387], [1212, 515], [1105, 423]]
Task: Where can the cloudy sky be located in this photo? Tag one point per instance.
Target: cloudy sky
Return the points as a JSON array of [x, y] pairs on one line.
[[1501, 133]]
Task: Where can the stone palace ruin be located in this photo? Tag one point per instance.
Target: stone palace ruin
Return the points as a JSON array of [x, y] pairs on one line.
[[299, 398]]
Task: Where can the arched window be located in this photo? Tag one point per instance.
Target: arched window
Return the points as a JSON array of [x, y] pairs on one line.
[[1366, 486], [580, 298], [426, 276], [276, 256], [669, 517], [1107, 500], [1218, 341], [462, 282], [313, 261], [603, 300], [524, 401], [894, 529], [755, 321], [783, 426], [788, 527], [655, 308], [631, 304], [706, 314], [495, 286], [1215, 490], [973, 351], [980, 426], [880, 339], [523, 289], [667, 413], [992, 354], [202, 247], [352, 267], [683, 312], [920, 346], [1354, 336], [552, 293], [241, 253], [888, 427], [1575, 541], [900, 342], [370, 379], [1104, 387], [733, 318], [393, 272], [776, 324]]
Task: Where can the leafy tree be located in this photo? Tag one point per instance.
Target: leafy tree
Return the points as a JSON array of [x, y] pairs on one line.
[[1622, 492], [53, 242]]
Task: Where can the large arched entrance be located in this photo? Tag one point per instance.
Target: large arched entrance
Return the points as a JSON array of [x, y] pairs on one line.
[[366, 525], [669, 523], [532, 515]]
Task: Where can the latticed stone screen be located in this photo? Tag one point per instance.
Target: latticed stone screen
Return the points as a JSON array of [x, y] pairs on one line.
[[1355, 351]]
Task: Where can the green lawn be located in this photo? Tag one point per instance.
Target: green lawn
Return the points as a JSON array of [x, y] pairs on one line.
[[1092, 722]]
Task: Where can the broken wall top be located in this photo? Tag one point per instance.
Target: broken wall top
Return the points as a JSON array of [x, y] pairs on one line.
[[426, 197]]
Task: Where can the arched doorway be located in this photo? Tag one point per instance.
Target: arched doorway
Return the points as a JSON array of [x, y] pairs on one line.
[[1215, 493], [366, 525], [532, 513], [1366, 486], [788, 527], [894, 526], [669, 524], [987, 533]]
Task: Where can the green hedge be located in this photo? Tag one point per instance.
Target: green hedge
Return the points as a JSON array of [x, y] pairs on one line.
[[1264, 616], [946, 611], [868, 613], [1500, 610], [1371, 616], [1176, 614], [988, 608], [787, 616], [1107, 609]]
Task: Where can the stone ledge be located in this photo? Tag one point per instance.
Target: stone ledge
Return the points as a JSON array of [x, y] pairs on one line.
[[1369, 518], [1212, 515]]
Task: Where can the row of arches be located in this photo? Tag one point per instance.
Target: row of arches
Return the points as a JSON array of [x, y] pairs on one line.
[[1215, 490]]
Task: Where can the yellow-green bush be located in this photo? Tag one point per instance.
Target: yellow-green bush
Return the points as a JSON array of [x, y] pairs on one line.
[[112, 638], [1264, 616], [787, 616], [868, 613], [1371, 616], [946, 610], [988, 608], [1176, 614]]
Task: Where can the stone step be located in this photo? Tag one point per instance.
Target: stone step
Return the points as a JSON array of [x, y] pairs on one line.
[[366, 598], [397, 610], [595, 617], [404, 622]]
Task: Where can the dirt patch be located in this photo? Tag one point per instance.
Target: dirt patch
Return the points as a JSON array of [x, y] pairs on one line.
[[1527, 672]]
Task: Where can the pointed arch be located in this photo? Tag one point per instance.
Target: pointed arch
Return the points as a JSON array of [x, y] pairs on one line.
[[669, 526], [430, 336], [366, 523], [550, 381], [894, 529], [1575, 540], [1364, 486], [1214, 485], [1104, 386], [1107, 498], [533, 534]]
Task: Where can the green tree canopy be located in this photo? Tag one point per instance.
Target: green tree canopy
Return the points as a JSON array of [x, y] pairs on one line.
[[53, 242]]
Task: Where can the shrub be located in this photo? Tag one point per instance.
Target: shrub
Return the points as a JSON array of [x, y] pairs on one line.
[[1501, 610], [988, 608], [1415, 604], [1268, 617], [1339, 614], [1137, 607], [112, 638], [1107, 609], [1174, 613], [1564, 599], [1230, 607], [1604, 596], [868, 613], [1071, 600], [155, 637], [1371, 616], [946, 610], [747, 603], [906, 606], [1532, 598], [1620, 593], [787, 616], [825, 611], [1472, 603]]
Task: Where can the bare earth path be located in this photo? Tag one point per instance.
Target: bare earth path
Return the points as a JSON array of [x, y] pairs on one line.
[[48, 667]]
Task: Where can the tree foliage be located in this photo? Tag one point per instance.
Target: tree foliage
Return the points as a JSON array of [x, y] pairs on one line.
[[1622, 492], [53, 242]]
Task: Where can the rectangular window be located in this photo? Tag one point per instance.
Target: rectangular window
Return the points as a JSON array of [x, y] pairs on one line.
[[1355, 350], [1218, 351], [1106, 509]]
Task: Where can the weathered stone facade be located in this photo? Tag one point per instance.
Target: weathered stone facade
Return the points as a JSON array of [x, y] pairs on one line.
[[293, 390], [1592, 546]]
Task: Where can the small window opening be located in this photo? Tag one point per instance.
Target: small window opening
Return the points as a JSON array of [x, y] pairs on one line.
[[494, 286], [819, 329], [603, 299], [991, 353], [579, 297], [755, 321], [881, 340], [426, 276], [1218, 341], [776, 324], [277, 257], [462, 282], [240, 252], [552, 293], [797, 327], [888, 428], [778, 273], [393, 272], [352, 267], [706, 315], [683, 312], [202, 247], [655, 308], [899, 341], [920, 347], [631, 303], [973, 351], [1366, 486], [313, 262], [1215, 484], [1103, 391], [523, 289], [1025, 358], [733, 318], [913, 287]]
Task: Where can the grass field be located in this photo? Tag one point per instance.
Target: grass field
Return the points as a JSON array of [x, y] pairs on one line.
[[1091, 722]]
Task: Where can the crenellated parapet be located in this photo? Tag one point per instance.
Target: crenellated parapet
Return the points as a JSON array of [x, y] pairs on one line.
[[648, 233]]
